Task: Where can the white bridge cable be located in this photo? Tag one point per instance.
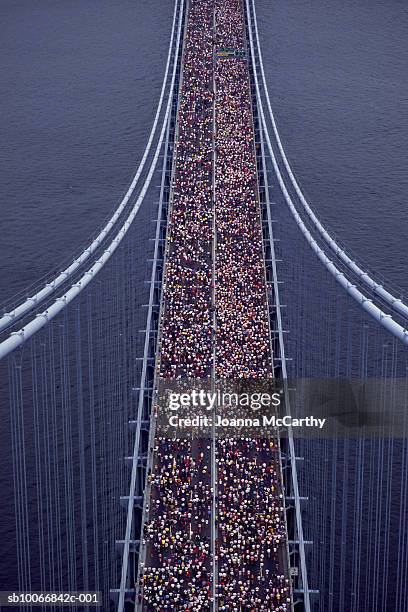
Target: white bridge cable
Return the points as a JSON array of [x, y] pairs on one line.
[[9, 318], [18, 338], [381, 317], [395, 303]]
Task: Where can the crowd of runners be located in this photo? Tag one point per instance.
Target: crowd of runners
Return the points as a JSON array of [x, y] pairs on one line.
[[215, 322], [187, 327], [178, 570], [252, 570], [214, 260], [251, 527], [243, 338]]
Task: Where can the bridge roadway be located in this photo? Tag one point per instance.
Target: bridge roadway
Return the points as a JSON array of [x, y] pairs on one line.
[[214, 536]]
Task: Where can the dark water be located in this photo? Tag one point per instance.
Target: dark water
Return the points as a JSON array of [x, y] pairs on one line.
[[337, 77], [79, 86]]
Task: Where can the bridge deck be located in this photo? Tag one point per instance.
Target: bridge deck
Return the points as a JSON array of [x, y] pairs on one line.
[[215, 533]]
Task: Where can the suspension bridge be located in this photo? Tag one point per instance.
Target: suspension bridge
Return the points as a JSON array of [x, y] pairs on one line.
[[83, 373]]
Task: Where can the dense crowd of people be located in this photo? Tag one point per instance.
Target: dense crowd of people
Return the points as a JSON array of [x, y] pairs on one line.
[[251, 527], [187, 321], [215, 303], [252, 560], [177, 532], [229, 23], [236, 292], [243, 335], [177, 574]]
